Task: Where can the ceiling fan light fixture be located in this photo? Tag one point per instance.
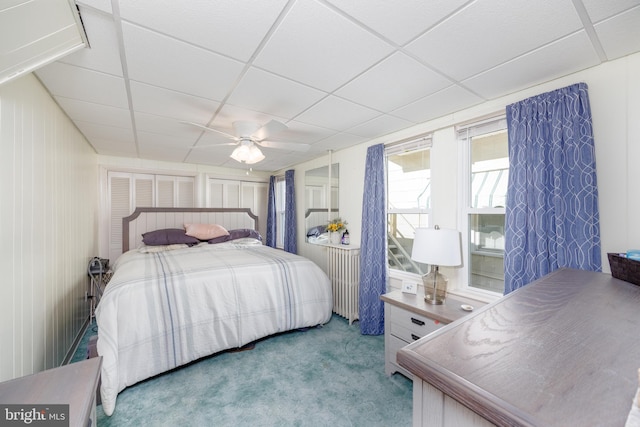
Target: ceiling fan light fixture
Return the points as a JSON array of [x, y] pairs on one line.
[[248, 153]]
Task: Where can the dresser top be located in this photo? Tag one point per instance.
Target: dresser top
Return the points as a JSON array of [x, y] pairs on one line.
[[448, 312], [73, 384], [564, 350]]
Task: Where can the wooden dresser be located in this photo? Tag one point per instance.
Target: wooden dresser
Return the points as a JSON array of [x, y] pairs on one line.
[[73, 384], [562, 351]]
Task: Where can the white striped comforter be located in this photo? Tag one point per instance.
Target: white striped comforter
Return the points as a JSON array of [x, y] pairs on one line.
[[163, 310]]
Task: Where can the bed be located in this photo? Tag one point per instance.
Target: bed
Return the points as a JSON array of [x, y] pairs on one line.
[[168, 305]]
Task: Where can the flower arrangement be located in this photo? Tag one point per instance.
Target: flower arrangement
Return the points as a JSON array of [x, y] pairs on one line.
[[336, 225]]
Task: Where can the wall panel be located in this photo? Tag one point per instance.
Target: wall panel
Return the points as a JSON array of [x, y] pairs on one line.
[[48, 229]]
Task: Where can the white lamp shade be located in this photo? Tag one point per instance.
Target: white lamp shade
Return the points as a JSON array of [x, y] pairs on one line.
[[437, 247], [248, 153]]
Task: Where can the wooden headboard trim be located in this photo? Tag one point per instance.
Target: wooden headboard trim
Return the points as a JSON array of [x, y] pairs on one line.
[[127, 220]]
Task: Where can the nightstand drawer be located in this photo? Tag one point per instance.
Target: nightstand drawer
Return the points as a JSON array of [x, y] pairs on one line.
[[410, 326], [395, 344]]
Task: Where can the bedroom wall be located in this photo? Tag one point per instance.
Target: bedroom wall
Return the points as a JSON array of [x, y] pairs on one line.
[[48, 225], [614, 92]]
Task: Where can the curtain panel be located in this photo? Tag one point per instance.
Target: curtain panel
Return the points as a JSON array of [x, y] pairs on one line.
[[373, 247], [552, 217], [290, 223], [271, 214]]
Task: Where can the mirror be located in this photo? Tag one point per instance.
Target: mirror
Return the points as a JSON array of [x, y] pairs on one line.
[[322, 187]]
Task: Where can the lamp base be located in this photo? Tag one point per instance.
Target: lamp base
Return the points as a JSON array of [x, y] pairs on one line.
[[435, 286]]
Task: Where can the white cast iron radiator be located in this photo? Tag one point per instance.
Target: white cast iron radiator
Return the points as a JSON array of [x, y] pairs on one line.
[[344, 271]]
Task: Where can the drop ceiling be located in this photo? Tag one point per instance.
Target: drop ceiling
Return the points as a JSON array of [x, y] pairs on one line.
[[336, 72]]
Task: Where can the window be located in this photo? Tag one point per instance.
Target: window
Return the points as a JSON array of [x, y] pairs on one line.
[[486, 177], [408, 200], [281, 197]]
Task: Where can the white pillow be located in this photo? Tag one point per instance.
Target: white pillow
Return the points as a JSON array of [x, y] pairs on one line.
[[205, 231]]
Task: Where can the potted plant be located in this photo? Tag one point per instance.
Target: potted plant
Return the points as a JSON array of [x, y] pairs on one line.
[[335, 228]]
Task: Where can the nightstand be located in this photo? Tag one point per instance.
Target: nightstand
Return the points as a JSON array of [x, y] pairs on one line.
[[408, 317]]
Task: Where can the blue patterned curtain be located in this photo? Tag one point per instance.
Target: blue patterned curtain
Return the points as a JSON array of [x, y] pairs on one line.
[[552, 218], [373, 247], [271, 214], [291, 226]]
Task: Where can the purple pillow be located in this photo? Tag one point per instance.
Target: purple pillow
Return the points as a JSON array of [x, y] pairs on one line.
[[219, 239], [168, 236], [238, 233]]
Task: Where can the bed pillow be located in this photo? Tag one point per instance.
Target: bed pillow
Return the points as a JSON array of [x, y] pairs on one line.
[[220, 239], [205, 231], [161, 248], [168, 236], [238, 233], [316, 231]]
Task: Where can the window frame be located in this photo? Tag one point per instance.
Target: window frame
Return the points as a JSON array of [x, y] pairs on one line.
[[464, 133], [280, 191], [419, 143]]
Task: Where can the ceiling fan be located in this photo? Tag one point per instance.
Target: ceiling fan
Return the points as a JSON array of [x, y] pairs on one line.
[[249, 135]]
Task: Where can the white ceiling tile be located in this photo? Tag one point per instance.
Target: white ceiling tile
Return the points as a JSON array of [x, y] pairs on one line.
[[620, 36], [162, 61], [95, 113], [103, 54], [83, 84], [379, 126], [114, 148], [558, 59], [396, 81], [338, 141], [116, 135], [271, 94], [599, 9], [303, 132], [318, 47], [168, 103], [217, 156], [231, 113], [337, 114], [495, 31], [180, 133], [150, 140], [104, 5], [233, 28], [399, 21], [449, 100]]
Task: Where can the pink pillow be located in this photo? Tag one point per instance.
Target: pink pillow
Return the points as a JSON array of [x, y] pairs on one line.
[[205, 231]]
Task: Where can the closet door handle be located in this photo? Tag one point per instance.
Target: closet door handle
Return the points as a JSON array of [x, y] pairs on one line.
[[417, 321], [415, 337]]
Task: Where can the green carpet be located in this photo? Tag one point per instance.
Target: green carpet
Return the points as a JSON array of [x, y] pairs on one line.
[[324, 376]]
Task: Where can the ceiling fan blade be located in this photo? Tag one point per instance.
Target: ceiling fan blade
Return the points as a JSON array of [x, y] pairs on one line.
[[211, 130], [292, 146], [214, 145], [271, 128]]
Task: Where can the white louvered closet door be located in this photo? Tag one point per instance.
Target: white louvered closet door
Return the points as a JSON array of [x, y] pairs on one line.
[[130, 190], [225, 193]]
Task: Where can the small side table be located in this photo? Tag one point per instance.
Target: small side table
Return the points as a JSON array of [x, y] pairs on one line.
[[408, 318], [97, 285], [73, 384]]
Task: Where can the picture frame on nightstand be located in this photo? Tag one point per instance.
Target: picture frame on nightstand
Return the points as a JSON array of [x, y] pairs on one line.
[[409, 287]]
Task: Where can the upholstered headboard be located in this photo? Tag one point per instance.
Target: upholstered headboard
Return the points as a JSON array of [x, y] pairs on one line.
[[143, 220]]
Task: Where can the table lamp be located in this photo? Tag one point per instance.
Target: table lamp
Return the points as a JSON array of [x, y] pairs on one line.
[[436, 247]]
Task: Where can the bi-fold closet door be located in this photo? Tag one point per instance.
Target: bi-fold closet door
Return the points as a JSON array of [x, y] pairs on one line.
[[127, 191]]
